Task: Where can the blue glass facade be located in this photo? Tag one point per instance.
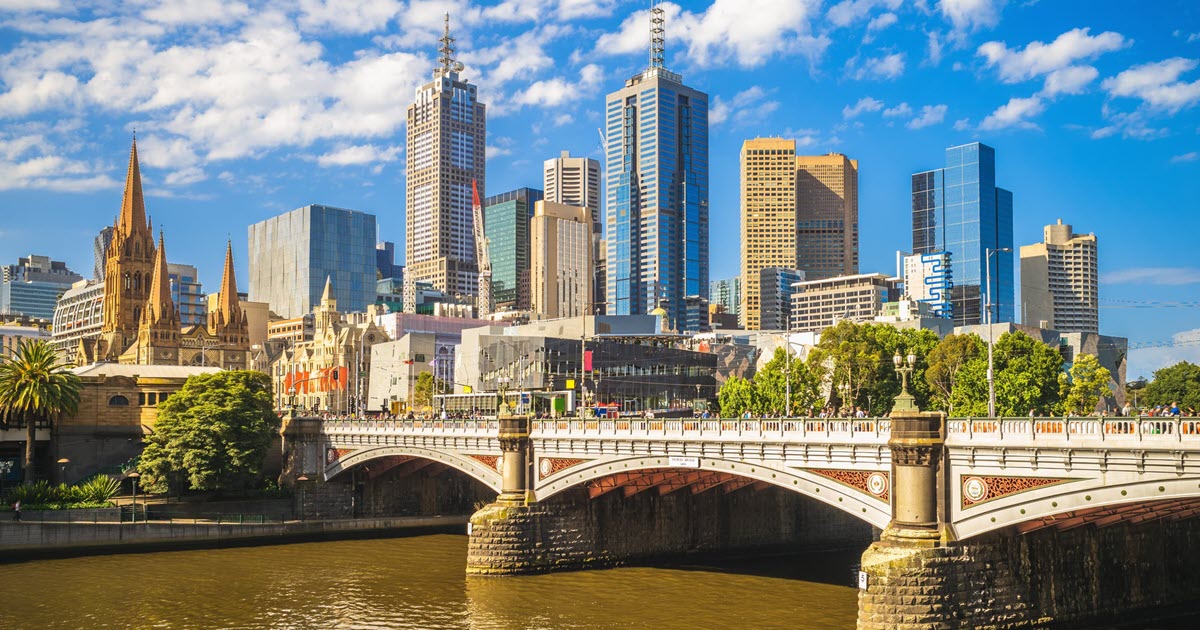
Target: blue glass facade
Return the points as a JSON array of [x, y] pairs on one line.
[[960, 210], [506, 226], [656, 205]]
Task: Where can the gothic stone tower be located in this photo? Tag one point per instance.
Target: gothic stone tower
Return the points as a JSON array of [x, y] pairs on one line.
[[158, 337]]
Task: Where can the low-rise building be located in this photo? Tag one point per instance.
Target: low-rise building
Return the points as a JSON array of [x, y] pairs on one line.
[[819, 304]]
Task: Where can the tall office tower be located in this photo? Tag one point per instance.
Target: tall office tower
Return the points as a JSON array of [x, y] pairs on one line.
[[656, 191], [826, 215], [100, 251], [33, 285], [188, 294], [960, 210], [561, 259], [775, 284], [446, 144], [506, 224], [1060, 289], [292, 254], [575, 181], [768, 218], [726, 293], [385, 261]]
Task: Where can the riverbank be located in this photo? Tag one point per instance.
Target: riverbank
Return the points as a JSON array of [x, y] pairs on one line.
[[28, 540]]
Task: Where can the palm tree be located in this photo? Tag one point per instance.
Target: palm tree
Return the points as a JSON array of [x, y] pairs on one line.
[[34, 386]]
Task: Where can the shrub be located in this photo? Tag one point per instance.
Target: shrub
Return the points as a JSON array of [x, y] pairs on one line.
[[38, 493], [99, 489]]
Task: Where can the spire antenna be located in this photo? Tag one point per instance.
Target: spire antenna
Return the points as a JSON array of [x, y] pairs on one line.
[[658, 35], [446, 63]]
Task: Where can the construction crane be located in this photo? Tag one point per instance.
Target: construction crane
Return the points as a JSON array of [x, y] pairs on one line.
[[484, 304]]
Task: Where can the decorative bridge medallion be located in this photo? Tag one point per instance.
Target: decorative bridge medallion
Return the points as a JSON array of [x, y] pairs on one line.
[[332, 455], [550, 465], [491, 461], [875, 484], [976, 490]]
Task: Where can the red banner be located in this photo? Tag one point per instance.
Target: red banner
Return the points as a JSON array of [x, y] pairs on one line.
[[325, 380], [587, 360]]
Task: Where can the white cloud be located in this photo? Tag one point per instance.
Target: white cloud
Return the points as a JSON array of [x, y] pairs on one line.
[[183, 177], [1069, 80], [749, 105], [196, 12], [31, 162], [930, 115], [358, 155], [969, 15], [727, 32], [30, 5], [1015, 113], [563, 119], [1159, 276], [935, 47], [555, 92], [1157, 84], [348, 16], [848, 12], [1183, 346], [903, 110], [884, 67], [962, 124], [1190, 156], [1130, 125], [882, 22], [865, 104], [1039, 58]]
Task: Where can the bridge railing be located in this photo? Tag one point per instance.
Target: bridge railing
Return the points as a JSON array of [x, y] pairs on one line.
[[871, 429], [368, 426], [1137, 429]]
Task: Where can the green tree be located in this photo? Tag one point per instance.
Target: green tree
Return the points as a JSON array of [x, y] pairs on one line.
[[423, 391], [1085, 384], [855, 362], [945, 361], [771, 386], [211, 435], [737, 396], [1179, 383], [34, 386], [1026, 379]]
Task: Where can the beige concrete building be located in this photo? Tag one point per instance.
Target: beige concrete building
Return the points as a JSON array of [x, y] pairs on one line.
[[1060, 288], [798, 212], [445, 153], [819, 304], [561, 264], [575, 181]]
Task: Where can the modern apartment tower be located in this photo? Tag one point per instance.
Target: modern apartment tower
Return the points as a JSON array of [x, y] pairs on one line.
[[188, 294], [798, 212], [561, 259], [293, 254], [726, 293], [575, 181], [960, 210], [506, 224], [656, 189], [33, 285], [445, 154], [1060, 289]]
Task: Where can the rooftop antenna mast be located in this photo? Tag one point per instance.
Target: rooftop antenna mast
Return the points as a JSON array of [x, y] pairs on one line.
[[447, 64], [658, 35]]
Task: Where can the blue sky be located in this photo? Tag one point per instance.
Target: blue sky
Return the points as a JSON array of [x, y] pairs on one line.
[[244, 110]]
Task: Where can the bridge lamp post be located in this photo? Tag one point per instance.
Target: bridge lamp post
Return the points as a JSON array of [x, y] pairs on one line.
[[134, 476], [905, 401], [991, 374], [300, 482]]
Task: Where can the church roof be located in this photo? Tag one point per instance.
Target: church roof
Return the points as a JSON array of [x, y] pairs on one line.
[[142, 371], [133, 205]]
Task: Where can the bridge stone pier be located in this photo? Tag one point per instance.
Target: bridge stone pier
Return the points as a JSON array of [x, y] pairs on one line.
[[966, 522]]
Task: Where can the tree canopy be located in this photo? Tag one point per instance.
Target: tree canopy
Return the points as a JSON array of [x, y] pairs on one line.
[[1084, 385], [34, 386], [1179, 383], [211, 435]]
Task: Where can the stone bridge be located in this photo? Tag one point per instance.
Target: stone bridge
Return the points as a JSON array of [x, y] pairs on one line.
[[949, 500]]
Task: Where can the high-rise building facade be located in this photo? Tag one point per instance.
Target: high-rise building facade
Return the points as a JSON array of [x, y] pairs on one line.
[[929, 279], [100, 252], [33, 285], [656, 190], [506, 225], [561, 260], [1060, 288], [775, 284], [291, 256], [575, 181], [960, 210], [727, 294], [445, 153], [826, 215], [385, 262], [188, 294]]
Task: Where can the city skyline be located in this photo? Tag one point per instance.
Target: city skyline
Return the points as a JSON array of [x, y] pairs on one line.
[[1069, 150]]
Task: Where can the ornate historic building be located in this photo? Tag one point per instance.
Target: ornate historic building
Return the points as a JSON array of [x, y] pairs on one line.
[[329, 373], [141, 323]]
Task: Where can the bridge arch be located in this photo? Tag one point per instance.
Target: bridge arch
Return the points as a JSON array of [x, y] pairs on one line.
[[864, 506], [473, 468], [1096, 501]]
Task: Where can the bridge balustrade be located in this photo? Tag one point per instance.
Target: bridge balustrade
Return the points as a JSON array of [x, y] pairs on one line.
[[1031, 429], [813, 428]]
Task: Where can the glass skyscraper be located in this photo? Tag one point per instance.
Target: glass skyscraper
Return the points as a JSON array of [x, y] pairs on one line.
[[959, 210], [656, 193], [506, 226], [293, 253]]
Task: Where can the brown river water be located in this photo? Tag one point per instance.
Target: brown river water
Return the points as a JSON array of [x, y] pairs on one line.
[[416, 582]]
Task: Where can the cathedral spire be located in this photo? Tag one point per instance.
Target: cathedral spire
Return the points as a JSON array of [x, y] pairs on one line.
[[159, 306], [327, 295], [133, 206], [228, 301]]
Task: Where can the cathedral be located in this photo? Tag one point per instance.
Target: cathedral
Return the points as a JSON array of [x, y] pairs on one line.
[[141, 323]]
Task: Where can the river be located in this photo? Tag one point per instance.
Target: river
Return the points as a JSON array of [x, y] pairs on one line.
[[416, 582]]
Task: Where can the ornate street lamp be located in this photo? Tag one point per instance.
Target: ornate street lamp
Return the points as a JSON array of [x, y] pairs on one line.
[[905, 401]]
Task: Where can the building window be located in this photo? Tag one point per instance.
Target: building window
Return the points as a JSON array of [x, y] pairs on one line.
[[118, 401]]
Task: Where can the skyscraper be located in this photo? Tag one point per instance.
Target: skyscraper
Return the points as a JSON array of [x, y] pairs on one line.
[[960, 210], [100, 251], [727, 293], [33, 285], [575, 181], [506, 224], [798, 212], [1060, 289], [445, 153], [775, 283], [561, 259], [188, 294], [291, 256], [656, 199]]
